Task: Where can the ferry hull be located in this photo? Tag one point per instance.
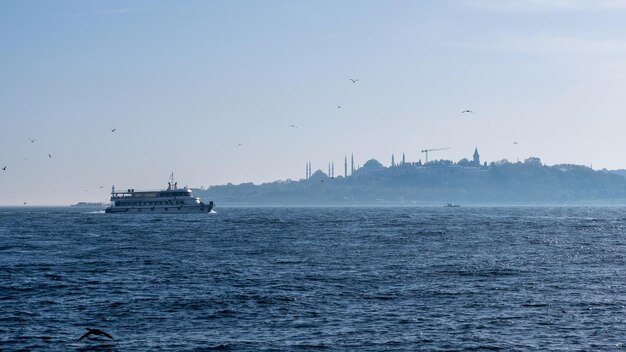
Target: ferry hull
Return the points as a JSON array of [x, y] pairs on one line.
[[194, 209]]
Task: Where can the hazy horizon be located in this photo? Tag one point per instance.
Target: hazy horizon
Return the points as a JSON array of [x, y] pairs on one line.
[[184, 84]]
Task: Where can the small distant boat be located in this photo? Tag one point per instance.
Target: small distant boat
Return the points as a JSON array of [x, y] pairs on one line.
[[452, 205], [88, 205]]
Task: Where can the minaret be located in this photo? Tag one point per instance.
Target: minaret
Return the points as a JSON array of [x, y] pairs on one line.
[[332, 174], [403, 160], [306, 177], [352, 164], [328, 169], [393, 161], [345, 167]]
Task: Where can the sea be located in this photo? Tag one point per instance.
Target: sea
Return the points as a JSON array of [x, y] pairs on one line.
[[315, 279]]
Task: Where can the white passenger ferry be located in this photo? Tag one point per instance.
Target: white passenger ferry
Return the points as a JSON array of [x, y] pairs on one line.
[[167, 201]]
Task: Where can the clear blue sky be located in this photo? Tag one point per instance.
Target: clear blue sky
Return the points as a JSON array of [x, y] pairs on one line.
[[185, 82]]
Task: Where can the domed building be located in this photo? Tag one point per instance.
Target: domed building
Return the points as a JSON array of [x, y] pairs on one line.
[[372, 165]]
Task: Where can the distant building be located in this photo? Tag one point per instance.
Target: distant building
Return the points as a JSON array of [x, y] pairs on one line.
[[476, 157], [371, 166], [352, 164]]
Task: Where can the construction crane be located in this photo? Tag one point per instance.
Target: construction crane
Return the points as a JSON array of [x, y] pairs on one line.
[[425, 151]]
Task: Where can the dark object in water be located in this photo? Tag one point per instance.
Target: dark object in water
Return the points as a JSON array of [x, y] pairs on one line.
[[95, 332]]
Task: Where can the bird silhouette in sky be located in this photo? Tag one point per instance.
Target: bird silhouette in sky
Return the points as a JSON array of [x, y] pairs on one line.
[[50, 156], [113, 130], [101, 186], [32, 140], [293, 126], [515, 143], [339, 107], [240, 145], [24, 203], [467, 111], [95, 332], [353, 80], [4, 168]]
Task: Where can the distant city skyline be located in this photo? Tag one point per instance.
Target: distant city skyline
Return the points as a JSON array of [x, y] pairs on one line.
[[121, 93]]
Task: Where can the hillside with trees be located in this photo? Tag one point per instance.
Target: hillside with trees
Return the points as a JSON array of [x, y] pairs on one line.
[[437, 182]]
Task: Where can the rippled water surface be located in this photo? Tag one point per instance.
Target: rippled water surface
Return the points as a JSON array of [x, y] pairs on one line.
[[284, 279]]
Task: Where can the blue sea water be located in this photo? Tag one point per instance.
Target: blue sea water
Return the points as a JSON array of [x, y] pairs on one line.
[[285, 279]]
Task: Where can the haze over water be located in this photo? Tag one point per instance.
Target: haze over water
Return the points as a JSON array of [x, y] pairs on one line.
[[185, 84], [95, 94], [367, 279]]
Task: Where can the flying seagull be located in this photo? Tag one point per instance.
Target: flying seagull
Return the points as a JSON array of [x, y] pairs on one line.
[[293, 126], [339, 107], [240, 145], [50, 156], [353, 80], [4, 168], [32, 140], [101, 186], [467, 111], [113, 130], [95, 332], [515, 143]]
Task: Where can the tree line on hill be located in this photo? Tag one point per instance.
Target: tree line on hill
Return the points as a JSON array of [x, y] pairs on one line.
[[440, 181]]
